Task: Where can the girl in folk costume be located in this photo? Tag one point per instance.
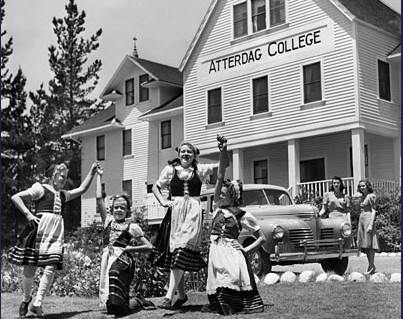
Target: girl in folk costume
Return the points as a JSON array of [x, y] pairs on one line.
[[178, 243], [118, 264], [41, 242], [231, 287]]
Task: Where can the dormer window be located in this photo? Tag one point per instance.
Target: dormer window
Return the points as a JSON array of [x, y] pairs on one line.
[[129, 91], [144, 92], [256, 15]]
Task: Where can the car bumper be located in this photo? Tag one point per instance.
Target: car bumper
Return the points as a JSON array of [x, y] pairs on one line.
[[312, 251]]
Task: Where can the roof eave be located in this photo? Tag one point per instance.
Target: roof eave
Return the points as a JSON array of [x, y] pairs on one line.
[[162, 115], [103, 128], [197, 35]]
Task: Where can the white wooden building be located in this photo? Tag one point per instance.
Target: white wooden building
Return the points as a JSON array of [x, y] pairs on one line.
[[304, 90]]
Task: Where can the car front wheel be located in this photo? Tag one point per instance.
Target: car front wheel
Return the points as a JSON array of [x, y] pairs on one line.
[[336, 265], [260, 262]]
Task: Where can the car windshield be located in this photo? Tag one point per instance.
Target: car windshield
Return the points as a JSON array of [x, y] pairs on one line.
[[266, 197]]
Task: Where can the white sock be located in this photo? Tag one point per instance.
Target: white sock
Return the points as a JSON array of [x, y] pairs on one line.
[[44, 284], [27, 283]]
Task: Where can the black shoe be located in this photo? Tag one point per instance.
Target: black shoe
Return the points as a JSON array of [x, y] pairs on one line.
[[166, 304], [179, 302], [146, 304], [24, 307]]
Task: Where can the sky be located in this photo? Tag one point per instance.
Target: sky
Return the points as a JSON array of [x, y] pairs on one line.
[[164, 30]]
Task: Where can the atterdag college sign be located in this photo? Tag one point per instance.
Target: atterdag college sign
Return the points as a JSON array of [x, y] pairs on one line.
[[316, 39]]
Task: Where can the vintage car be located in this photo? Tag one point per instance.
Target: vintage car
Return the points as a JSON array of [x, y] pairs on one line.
[[295, 234]]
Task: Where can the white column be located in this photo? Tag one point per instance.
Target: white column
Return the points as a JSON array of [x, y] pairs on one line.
[[294, 176], [397, 159], [237, 162], [357, 142]]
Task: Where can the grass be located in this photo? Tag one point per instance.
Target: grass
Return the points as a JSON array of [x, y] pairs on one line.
[[283, 301], [298, 300]]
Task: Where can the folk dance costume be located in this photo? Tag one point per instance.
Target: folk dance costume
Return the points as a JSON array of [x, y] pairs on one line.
[[231, 287], [178, 243], [117, 266], [367, 239], [42, 244]]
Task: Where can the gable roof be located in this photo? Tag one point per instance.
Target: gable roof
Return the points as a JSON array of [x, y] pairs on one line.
[[101, 119], [157, 71], [172, 107], [373, 12]]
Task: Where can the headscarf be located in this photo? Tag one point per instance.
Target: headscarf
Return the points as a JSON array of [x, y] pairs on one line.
[[53, 169], [190, 145]]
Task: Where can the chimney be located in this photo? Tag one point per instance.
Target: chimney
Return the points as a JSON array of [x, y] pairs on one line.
[[135, 54]]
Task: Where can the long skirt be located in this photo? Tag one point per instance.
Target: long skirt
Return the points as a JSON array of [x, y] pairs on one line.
[[365, 239], [120, 276], [42, 244], [231, 286], [181, 258]]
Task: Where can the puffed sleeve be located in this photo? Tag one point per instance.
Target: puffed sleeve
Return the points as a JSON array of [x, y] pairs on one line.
[[36, 191], [325, 199], [136, 231], [204, 170], [249, 222], [371, 200], [165, 176]]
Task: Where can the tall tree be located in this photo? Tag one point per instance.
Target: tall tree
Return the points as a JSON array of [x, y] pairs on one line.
[[16, 143], [69, 103]]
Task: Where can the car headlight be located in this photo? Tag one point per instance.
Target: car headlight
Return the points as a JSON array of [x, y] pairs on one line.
[[345, 230], [278, 232]]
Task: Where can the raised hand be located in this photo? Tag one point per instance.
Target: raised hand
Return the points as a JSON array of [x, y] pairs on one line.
[[222, 142]]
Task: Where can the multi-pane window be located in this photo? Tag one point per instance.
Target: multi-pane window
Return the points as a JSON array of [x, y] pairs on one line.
[[260, 172], [312, 83], [127, 142], [144, 92], [258, 15], [384, 80], [277, 12], [166, 134], [214, 106], [240, 20], [260, 95], [101, 147], [129, 91], [127, 188]]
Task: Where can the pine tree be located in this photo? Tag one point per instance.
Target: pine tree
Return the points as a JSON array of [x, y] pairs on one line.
[[69, 103], [16, 143]]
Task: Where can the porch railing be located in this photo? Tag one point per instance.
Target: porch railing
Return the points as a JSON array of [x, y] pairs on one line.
[[154, 213], [318, 188]]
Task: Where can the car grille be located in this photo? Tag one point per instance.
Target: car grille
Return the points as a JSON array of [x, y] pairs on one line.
[[326, 233], [296, 235]]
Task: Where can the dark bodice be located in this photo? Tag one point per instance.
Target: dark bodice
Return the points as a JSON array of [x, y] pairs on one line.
[[228, 227], [46, 203], [191, 187], [122, 240]]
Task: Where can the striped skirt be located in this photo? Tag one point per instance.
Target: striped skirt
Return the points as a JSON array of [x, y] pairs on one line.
[[181, 258], [40, 245], [231, 286]]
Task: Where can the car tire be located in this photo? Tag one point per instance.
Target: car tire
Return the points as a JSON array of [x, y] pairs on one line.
[[336, 265], [260, 262]]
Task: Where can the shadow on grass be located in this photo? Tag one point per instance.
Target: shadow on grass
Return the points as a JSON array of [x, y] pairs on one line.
[[195, 308], [62, 315]]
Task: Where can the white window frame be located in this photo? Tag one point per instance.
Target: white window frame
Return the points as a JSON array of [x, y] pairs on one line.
[[259, 159], [222, 105], [377, 80], [268, 94], [322, 82], [249, 18]]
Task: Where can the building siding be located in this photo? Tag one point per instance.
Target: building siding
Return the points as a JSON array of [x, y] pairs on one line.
[[285, 82]]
